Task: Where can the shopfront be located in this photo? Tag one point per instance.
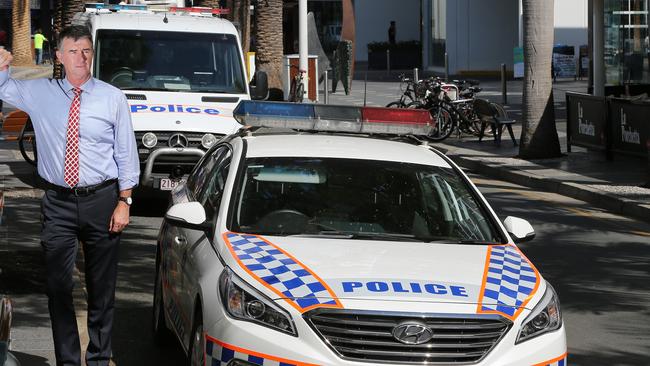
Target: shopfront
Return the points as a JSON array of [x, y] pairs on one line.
[[626, 42]]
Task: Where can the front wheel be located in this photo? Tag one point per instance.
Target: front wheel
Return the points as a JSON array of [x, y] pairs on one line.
[[444, 123], [197, 345]]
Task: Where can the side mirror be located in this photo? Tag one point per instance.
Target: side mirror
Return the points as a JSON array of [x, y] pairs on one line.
[[260, 86], [519, 229], [190, 215]]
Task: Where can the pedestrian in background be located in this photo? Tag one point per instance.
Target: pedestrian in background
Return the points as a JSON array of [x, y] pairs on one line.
[[88, 164], [39, 38], [391, 32]]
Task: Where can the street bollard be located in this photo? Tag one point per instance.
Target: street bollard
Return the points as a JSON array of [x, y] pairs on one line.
[[416, 75], [446, 66], [387, 62], [326, 91], [504, 85]]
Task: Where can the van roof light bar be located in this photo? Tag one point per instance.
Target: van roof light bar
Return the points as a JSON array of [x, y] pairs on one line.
[[334, 118], [200, 10]]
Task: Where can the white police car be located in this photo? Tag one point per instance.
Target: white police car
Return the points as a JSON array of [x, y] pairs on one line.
[[342, 239]]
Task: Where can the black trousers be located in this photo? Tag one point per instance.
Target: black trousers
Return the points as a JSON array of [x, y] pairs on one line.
[[68, 220]]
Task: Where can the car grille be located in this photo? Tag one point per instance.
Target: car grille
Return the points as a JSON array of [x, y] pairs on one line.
[[367, 336]]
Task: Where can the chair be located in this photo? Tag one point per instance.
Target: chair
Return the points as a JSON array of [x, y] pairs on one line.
[[496, 116]]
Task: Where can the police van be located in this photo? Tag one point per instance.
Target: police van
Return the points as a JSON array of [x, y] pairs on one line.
[[182, 71]]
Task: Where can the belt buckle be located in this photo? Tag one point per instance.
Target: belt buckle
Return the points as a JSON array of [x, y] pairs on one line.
[[80, 191]]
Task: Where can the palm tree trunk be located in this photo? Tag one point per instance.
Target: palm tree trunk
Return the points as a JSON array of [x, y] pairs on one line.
[[269, 44], [21, 39], [65, 10], [539, 137]]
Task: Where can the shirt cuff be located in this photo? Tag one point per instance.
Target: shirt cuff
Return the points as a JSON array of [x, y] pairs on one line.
[[127, 183]]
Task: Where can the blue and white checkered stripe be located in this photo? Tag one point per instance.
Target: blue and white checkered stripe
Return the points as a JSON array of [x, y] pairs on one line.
[[217, 354], [280, 272], [561, 362], [509, 283]]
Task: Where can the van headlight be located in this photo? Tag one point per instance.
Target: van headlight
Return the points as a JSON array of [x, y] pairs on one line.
[[149, 140], [243, 302], [545, 317], [208, 140]]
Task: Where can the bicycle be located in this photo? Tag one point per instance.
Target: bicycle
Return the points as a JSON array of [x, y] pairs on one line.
[[297, 88], [448, 113], [412, 93], [27, 143]]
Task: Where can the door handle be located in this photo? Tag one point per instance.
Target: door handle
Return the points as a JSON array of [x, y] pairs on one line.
[[180, 240]]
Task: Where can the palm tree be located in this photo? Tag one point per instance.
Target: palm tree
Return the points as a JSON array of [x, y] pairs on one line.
[[65, 10], [539, 137], [269, 44], [21, 41]]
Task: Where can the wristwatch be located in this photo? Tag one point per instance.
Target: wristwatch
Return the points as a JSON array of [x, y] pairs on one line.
[[127, 200]]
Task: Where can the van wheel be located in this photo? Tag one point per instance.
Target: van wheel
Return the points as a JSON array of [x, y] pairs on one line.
[[161, 333], [197, 345]]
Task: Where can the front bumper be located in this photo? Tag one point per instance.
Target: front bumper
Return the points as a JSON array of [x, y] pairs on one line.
[[230, 339], [147, 176]]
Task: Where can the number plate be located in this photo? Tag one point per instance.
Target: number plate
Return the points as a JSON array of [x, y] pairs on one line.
[[168, 184]]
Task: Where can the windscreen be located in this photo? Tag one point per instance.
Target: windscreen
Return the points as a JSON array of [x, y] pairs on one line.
[[358, 199], [169, 61]]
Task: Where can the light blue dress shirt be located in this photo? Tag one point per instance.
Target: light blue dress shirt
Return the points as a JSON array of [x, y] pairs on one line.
[[107, 147]]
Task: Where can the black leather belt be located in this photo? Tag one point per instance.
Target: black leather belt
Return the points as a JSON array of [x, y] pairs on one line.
[[77, 191]]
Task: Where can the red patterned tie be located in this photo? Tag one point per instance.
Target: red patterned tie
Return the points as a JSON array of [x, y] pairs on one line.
[[71, 165]]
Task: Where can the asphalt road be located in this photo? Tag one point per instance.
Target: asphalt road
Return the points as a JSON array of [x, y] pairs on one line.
[[599, 264]]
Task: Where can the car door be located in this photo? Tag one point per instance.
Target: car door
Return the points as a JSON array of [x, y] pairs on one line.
[[208, 192]]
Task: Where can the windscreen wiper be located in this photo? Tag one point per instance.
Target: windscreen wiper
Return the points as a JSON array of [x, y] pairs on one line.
[[147, 88]]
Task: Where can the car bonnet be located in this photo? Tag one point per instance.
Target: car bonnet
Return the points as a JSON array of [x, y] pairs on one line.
[[308, 273]]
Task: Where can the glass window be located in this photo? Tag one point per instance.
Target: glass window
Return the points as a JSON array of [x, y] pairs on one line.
[[148, 60], [198, 179], [626, 41], [210, 196], [358, 199]]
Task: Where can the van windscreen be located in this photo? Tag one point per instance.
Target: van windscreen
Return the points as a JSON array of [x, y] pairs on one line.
[[169, 61]]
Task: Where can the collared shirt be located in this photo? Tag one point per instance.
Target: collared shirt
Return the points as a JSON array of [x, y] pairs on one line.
[[107, 147]]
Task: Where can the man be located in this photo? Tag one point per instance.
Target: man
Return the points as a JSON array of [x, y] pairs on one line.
[[39, 38], [391, 32], [88, 163]]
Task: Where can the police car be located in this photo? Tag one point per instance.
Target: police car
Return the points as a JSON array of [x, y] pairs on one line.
[[331, 235]]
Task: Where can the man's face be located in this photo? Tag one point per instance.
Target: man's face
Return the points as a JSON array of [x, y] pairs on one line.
[[76, 57]]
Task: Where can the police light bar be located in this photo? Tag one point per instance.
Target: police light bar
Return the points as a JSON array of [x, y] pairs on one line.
[[201, 10], [334, 118], [115, 7]]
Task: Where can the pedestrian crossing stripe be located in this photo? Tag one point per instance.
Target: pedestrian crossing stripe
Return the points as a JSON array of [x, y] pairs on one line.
[[218, 353], [509, 282]]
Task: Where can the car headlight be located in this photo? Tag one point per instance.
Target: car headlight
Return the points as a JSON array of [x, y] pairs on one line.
[[243, 302], [545, 317], [208, 140], [149, 140]]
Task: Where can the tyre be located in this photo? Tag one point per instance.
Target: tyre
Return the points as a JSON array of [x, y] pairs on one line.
[[416, 105], [161, 333], [196, 352], [395, 104], [27, 143], [444, 123]]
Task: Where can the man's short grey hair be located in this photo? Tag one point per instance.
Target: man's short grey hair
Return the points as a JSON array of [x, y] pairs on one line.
[[74, 32]]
